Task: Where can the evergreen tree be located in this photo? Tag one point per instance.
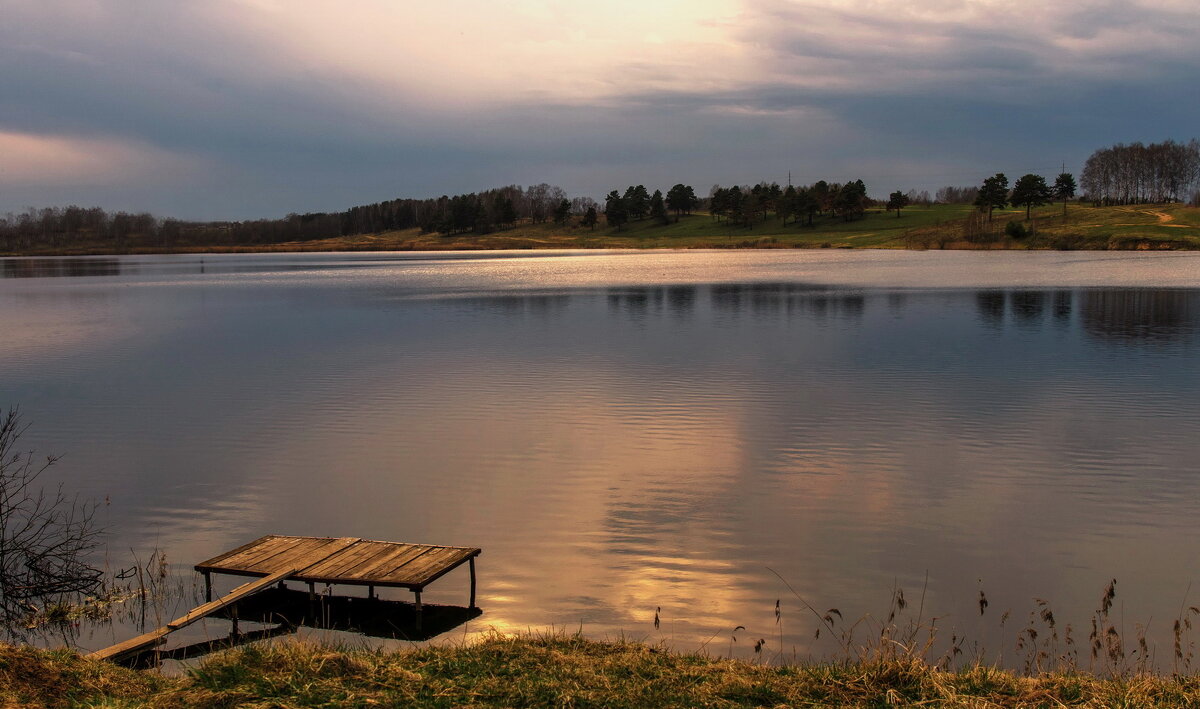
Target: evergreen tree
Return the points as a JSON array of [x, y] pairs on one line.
[[993, 194], [658, 209], [850, 202], [615, 212], [681, 200], [589, 218], [508, 212], [718, 202], [786, 205], [751, 206], [733, 205], [1030, 191], [1064, 189], [562, 212], [637, 202], [807, 204], [897, 201]]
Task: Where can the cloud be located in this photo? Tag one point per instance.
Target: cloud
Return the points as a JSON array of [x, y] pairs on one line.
[[309, 105], [32, 160]]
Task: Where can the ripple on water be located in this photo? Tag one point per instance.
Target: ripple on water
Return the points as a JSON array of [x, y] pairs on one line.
[[628, 433]]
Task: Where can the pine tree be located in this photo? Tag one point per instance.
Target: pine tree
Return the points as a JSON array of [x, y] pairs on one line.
[[562, 212], [658, 210], [993, 194], [1030, 191], [785, 206], [615, 212], [681, 199], [897, 201], [637, 202]]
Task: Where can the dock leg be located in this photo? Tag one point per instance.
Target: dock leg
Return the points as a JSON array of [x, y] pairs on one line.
[[472, 606], [371, 592], [419, 614], [207, 586], [233, 612]]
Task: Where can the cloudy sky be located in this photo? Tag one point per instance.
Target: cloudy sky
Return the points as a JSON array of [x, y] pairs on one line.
[[249, 108]]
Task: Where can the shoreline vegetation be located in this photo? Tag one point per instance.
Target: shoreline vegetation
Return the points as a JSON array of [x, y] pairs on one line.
[[1073, 226], [1136, 195], [558, 670]]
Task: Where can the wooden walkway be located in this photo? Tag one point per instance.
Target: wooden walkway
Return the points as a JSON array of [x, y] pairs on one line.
[[341, 560], [158, 636]]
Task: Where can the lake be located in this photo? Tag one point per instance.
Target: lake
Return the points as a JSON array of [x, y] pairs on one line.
[[629, 432]]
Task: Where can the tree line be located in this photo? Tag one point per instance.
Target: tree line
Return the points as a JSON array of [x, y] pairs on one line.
[[741, 206], [1137, 173], [481, 212], [637, 204]]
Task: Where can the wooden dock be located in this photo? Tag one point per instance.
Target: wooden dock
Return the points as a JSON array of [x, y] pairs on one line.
[[342, 560]]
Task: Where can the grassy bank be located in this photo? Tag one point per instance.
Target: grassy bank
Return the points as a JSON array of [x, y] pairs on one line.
[[1168, 226], [552, 671]]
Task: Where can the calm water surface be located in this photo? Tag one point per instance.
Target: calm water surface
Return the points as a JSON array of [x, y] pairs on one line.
[[625, 432]]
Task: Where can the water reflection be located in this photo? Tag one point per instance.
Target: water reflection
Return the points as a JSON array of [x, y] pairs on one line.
[[59, 267], [620, 447], [1028, 306], [991, 305], [1143, 315]]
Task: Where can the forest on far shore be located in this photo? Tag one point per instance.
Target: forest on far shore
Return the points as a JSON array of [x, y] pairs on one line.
[[1136, 173]]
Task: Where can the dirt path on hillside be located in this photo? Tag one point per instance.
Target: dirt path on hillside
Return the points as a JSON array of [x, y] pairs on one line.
[[1163, 218]]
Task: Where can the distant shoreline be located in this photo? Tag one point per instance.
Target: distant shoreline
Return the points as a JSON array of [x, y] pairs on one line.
[[1159, 227]]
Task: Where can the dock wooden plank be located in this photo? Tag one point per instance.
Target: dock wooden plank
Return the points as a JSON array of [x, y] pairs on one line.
[[449, 565], [220, 558], [335, 568], [299, 555], [391, 559], [387, 570], [279, 553], [419, 571], [269, 550], [348, 558], [158, 635], [263, 547], [324, 552]]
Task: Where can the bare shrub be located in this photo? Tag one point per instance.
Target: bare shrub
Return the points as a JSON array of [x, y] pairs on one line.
[[45, 536]]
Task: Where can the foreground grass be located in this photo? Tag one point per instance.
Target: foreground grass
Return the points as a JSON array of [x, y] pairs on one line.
[[506, 671]]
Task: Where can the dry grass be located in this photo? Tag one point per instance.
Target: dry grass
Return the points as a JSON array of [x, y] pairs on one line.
[[556, 670], [1131, 227]]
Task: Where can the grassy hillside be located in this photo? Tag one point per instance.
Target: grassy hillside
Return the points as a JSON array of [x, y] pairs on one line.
[[554, 671], [876, 229], [937, 226], [1151, 226], [1169, 226]]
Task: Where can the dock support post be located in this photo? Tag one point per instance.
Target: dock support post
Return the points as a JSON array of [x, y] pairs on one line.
[[207, 586], [371, 592], [233, 612], [419, 614], [472, 605]]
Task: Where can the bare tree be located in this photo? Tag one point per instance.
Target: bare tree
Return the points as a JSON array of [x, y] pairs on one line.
[[45, 536], [1138, 173]]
